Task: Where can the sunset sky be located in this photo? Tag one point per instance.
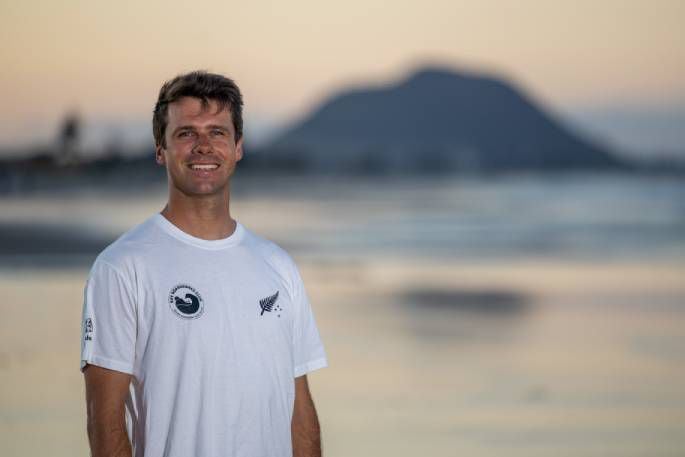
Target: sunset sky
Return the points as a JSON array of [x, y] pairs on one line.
[[605, 64]]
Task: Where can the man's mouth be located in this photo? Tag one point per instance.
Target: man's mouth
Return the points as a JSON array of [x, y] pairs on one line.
[[203, 166]]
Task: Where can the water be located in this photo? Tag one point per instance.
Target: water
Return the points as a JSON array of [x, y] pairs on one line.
[[581, 216], [512, 316]]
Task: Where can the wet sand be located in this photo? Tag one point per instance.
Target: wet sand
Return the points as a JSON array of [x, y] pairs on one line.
[[591, 364]]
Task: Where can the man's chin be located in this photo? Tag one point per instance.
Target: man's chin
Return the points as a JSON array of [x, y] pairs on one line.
[[207, 192], [202, 191]]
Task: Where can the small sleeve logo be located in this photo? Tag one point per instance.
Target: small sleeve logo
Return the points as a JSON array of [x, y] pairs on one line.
[[88, 329]]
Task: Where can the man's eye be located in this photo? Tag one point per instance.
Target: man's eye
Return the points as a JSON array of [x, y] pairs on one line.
[[218, 132], [185, 133]]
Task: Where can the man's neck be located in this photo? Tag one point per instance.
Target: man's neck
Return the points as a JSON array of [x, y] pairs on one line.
[[206, 218]]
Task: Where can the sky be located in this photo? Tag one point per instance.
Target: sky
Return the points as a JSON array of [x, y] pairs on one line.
[[614, 69]]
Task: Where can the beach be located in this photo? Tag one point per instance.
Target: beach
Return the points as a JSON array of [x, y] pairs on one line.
[[436, 345]]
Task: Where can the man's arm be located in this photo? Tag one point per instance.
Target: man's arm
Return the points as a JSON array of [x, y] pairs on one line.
[[306, 434], [106, 392]]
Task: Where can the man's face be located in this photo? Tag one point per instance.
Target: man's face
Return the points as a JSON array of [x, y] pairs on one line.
[[201, 151]]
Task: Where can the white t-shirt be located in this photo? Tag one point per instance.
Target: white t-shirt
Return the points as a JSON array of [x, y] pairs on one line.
[[213, 332]]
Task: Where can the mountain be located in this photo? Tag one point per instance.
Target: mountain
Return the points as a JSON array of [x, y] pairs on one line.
[[436, 119]]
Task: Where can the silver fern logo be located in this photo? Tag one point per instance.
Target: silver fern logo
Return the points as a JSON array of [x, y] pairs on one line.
[[268, 304]]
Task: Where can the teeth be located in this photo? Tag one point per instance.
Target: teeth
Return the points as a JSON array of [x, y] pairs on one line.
[[204, 167]]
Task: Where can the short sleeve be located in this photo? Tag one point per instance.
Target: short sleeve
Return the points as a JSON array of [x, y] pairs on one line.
[[108, 335], [309, 354]]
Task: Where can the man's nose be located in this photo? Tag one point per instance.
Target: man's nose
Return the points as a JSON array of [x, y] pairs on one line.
[[202, 145]]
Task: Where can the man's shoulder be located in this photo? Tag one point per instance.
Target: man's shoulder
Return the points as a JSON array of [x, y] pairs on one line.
[[269, 250], [130, 245]]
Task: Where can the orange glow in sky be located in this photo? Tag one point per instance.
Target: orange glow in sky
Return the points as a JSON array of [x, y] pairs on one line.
[[108, 59]]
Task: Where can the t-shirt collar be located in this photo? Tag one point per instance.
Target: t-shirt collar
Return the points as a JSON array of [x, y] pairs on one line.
[[231, 240]]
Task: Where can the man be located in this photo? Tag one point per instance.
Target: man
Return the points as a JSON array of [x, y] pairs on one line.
[[194, 329]]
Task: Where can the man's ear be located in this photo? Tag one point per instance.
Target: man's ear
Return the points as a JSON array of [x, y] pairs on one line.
[[159, 155], [239, 150]]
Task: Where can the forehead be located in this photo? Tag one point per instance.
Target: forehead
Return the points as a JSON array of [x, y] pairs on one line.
[[192, 110]]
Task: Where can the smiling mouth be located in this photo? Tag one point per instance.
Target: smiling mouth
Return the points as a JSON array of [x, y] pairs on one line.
[[203, 167]]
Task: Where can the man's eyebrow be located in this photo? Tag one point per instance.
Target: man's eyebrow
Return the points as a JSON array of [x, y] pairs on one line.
[[181, 128], [217, 126]]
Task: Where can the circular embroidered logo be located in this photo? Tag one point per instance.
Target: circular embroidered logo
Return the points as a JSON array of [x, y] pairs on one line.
[[186, 302]]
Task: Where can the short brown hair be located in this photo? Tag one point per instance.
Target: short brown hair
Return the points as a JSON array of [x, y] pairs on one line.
[[205, 86]]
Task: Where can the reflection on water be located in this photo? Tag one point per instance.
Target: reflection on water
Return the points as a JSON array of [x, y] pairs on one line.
[[40, 239], [496, 302], [516, 316]]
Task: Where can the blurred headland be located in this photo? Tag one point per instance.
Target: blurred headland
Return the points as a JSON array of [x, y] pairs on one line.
[[437, 120]]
